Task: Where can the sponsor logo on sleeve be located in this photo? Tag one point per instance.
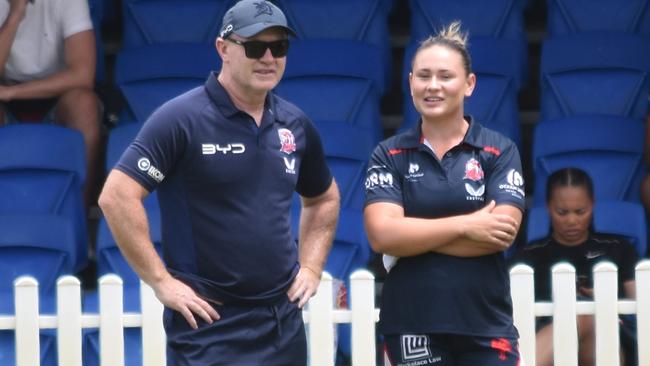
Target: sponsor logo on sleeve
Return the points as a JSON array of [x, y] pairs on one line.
[[514, 184], [145, 165], [378, 177]]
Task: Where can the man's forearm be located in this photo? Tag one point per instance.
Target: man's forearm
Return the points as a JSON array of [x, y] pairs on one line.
[[7, 35], [318, 221]]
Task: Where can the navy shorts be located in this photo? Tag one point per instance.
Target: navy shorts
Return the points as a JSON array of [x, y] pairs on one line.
[[449, 350], [245, 335]]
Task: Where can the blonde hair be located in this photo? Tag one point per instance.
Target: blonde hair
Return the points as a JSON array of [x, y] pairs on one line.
[[450, 36]]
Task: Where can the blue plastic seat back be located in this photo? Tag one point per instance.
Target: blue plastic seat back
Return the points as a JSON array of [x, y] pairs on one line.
[[149, 76], [499, 18], [148, 22], [39, 245], [609, 149], [362, 21], [576, 16], [347, 150], [344, 88], [47, 348], [42, 171], [611, 217], [595, 73]]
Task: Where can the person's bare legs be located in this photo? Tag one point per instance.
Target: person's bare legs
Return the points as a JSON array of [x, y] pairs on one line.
[[544, 346], [586, 340], [80, 109]]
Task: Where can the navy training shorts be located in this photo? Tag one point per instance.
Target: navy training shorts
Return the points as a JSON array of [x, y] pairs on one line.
[[449, 350], [245, 335]]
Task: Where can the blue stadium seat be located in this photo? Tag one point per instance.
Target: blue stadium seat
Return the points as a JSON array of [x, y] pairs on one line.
[[576, 16], [364, 21], [609, 149], [344, 87], [41, 246], [42, 171], [148, 22], [347, 150], [612, 217], [149, 76], [500, 19], [494, 102], [595, 73]]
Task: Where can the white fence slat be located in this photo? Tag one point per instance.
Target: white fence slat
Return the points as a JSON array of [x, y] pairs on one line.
[[565, 334], [68, 305], [522, 291], [642, 280], [153, 334], [606, 298], [27, 331], [111, 334], [362, 300], [321, 331]]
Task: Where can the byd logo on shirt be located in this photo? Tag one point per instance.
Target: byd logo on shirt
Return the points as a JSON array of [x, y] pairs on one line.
[[233, 148]]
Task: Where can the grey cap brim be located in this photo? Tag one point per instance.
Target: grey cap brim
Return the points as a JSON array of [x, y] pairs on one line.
[[253, 29]]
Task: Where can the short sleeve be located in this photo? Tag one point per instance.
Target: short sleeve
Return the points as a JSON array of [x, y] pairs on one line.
[[382, 182], [505, 183], [154, 152], [314, 177], [75, 16]]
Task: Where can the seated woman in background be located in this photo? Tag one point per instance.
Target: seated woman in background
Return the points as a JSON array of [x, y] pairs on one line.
[[570, 201]]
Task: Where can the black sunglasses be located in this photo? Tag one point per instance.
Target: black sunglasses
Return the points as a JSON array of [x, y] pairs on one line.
[[257, 49]]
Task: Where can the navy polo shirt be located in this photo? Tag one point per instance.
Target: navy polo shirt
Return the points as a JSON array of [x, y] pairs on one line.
[[436, 293], [225, 187]]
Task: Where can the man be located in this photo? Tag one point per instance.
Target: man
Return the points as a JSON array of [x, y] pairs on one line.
[[47, 70], [226, 159]]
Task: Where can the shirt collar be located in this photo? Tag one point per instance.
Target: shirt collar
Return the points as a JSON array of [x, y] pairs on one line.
[[412, 138], [221, 99]]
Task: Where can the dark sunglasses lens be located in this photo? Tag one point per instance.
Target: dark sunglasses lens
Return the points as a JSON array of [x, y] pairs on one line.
[[257, 49], [279, 48], [254, 49]]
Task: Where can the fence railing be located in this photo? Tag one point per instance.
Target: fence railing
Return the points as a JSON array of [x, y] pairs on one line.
[[321, 316]]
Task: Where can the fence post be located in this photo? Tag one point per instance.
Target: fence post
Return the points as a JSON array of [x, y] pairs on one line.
[[522, 291], [153, 333], [565, 331], [68, 305], [111, 331], [606, 299], [362, 301], [321, 326], [642, 280], [27, 330]]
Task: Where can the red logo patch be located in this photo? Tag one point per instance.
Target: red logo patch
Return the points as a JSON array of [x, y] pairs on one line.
[[287, 141], [473, 170], [503, 346]]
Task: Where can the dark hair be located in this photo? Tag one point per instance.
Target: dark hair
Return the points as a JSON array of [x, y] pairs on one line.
[[452, 37], [569, 177]]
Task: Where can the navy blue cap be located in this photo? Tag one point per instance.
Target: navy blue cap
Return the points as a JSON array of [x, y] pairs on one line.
[[249, 17]]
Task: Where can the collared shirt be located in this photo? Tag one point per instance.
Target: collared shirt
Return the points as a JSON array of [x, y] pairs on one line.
[[225, 187], [436, 293]]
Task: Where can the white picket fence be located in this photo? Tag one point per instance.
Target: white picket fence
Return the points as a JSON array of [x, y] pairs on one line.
[[321, 316]]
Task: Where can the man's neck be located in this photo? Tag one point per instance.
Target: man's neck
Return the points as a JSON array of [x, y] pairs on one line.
[[246, 101]]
